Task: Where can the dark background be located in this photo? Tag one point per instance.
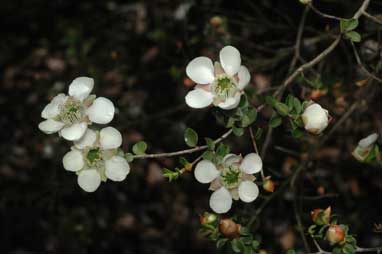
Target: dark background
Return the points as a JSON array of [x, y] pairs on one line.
[[137, 52]]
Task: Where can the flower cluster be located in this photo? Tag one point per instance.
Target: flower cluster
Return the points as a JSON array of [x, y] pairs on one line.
[[232, 178], [95, 155]]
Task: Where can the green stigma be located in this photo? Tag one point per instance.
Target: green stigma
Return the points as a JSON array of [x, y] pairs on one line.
[[224, 87], [231, 177], [93, 156], [71, 112]]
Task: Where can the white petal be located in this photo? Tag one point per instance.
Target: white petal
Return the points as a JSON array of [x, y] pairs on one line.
[[205, 171], [244, 77], [54, 107], [73, 161], [87, 140], [50, 126], [89, 180], [81, 87], [201, 70], [74, 132], [231, 158], [248, 191], [101, 111], [230, 60], [251, 163], [117, 168], [231, 102], [110, 138], [221, 201], [368, 141], [199, 98]]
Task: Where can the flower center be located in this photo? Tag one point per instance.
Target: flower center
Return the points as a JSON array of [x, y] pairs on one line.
[[224, 87], [72, 111], [93, 156], [231, 177]]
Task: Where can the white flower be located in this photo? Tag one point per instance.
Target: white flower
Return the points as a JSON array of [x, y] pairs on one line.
[[315, 118], [95, 158], [365, 146], [221, 84], [71, 114], [230, 179]]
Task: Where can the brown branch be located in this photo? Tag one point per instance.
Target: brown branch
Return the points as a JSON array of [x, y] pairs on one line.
[[187, 151], [362, 66], [372, 18]]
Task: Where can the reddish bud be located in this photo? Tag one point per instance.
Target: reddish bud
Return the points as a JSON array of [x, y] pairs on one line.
[[335, 234], [207, 218], [229, 228], [321, 217], [268, 184]]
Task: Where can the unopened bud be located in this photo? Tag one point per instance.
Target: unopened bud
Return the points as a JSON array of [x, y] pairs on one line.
[[268, 184], [188, 167], [321, 217], [216, 21], [335, 234], [364, 147], [208, 218], [229, 228], [315, 118]]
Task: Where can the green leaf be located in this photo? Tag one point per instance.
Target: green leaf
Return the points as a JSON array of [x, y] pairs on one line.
[[297, 133], [348, 24], [129, 157], [270, 100], [291, 251], [245, 231], [243, 102], [348, 249], [231, 121], [222, 150], [171, 175], [221, 242], [275, 121], [248, 250], [259, 133], [237, 131], [210, 143], [190, 137], [255, 244], [353, 36], [281, 108], [208, 155], [337, 250], [183, 161], [297, 105], [140, 148], [237, 246]]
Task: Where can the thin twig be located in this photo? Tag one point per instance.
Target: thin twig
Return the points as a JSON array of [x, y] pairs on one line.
[[362, 66], [372, 18], [187, 151], [311, 63], [323, 14]]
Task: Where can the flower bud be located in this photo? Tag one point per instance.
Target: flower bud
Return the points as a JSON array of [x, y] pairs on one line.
[[335, 234], [321, 217], [268, 184], [188, 167], [364, 147], [306, 1], [208, 218], [216, 21], [315, 118], [229, 228]]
